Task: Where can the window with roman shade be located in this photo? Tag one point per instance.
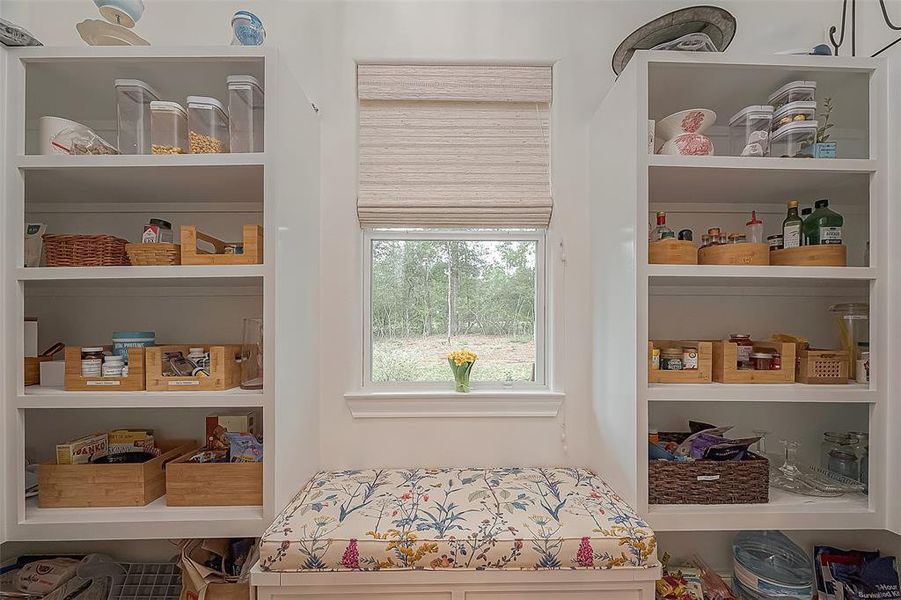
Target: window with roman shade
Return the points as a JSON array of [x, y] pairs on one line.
[[454, 146]]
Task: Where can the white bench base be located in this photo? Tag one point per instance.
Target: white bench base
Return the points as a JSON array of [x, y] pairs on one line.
[[616, 584]]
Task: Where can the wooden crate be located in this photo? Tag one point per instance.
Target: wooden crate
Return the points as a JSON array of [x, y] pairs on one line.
[[134, 382], [824, 255], [725, 364], [672, 252], [213, 484], [225, 370], [90, 485], [735, 254], [192, 255], [823, 366], [33, 363], [700, 375]]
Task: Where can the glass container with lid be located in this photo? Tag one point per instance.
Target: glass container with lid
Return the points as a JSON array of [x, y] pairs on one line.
[[749, 131], [794, 140], [245, 113], [168, 128], [133, 98], [853, 322], [207, 125]]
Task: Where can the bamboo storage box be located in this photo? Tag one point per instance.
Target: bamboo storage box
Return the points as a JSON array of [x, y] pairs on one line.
[[98, 485], [133, 382], [700, 375], [823, 255], [725, 364], [192, 254], [213, 484], [823, 366], [672, 252], [225, 370], [735, 254]]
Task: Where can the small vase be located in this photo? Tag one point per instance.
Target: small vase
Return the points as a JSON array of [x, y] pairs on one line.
[[461, 376]]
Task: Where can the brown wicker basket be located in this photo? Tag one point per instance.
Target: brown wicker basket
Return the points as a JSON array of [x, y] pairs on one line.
[[161, 253], [66, 250], [709, 481]]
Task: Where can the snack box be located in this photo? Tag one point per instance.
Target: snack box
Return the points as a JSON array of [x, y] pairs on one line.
[[233, 423], [81, 451]]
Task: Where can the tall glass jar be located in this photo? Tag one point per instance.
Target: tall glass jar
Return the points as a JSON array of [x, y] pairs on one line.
[[853, 322], [835, 444]]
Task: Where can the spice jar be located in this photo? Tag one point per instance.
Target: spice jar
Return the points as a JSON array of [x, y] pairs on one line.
[[689, 358], [705, 240], [671, 359], [776, 363], [763, 361], [744, 348], [112, 366], [91, 361], [737, 238], [655, 359], [776, 241]]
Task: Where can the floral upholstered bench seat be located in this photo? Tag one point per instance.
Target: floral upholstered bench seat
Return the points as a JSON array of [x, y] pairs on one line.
[[461, 518]]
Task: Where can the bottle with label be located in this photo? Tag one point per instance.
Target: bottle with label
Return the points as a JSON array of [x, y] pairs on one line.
[[805, 212], [791, 226], [823, 226], [662, 231]]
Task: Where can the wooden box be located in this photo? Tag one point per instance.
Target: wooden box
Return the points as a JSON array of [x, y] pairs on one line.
[[824, 255], [33, 363], [700, 375], [90, 485], [225, 369], [213, 484], [735, 254], [672, 252], [725, 364], [823, 366], [191, 254], [134, 382]]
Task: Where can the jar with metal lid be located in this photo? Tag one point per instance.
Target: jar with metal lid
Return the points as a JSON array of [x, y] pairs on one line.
[[776, 241], [671, 359], [91, 361], [738, 238], [705, 240], [762, 361], [744, 349]]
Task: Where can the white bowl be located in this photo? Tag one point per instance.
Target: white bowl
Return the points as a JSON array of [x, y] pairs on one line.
[[688, 144], [695, 120], [49, 127]]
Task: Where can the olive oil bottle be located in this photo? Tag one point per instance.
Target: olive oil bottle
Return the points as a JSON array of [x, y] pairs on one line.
[[791, 226]]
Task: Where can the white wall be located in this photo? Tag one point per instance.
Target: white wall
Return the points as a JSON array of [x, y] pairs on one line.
[[319, 41]]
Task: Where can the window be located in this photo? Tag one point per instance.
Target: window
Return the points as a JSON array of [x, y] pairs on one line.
[[429, 293]]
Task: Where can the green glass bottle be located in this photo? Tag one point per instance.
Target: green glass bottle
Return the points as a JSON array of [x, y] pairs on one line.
[[824, 225], [791, 226], [805, 212]]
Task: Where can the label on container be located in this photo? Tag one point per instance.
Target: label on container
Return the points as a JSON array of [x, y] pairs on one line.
[[690, 359], [104, 382], [743, 355], [791, 235], [184, 383], [708, 477], [830, 235]]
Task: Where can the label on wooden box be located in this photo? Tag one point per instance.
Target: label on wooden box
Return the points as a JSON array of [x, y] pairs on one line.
[[195, 382], [105, 382]]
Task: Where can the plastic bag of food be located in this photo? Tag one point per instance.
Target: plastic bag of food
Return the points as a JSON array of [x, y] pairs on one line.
[[81, 140], [43, 576]]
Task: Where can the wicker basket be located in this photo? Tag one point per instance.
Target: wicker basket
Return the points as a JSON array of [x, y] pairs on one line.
[[708, 481], [154, 254], [65, 250]]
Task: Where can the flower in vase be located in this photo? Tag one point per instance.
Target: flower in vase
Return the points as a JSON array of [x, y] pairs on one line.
[[461, 362]]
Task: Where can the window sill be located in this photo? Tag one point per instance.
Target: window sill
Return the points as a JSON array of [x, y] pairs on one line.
[[446, 404]]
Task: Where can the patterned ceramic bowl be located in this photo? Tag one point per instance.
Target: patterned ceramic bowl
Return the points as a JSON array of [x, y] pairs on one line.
[[689, 144], [695, 120]]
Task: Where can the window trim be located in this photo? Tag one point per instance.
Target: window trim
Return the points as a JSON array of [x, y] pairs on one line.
[[542, 354]]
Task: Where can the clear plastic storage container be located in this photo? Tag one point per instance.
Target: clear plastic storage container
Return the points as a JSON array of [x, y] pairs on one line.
[[793, 92], [245, 113], [749, 131], [168, 128], [795, 112], [133, 98], [795, 140], [207, 125]]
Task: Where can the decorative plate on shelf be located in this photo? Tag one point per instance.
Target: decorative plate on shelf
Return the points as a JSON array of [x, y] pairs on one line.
[[100, 33]]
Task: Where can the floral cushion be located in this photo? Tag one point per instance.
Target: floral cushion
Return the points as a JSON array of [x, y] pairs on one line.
[[509, 518]]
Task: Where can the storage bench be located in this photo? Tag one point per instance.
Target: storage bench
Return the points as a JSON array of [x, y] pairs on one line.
[[463, 532]]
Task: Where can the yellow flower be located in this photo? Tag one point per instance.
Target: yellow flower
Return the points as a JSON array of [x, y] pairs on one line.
[[461, 357]]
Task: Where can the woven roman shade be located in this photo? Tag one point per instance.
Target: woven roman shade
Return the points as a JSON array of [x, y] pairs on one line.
[[454, 146]]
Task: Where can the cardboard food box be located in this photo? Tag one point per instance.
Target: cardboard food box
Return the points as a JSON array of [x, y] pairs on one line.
[[82, 450], [231, 423]]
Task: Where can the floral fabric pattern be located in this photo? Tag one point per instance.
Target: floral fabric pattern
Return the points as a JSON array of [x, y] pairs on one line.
[[507, 518]]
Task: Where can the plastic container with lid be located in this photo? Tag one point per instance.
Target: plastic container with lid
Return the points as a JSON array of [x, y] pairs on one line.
[[768, 564], [749, 131], [245, 113], [795, 140], [794, 91], [247, 29], [133, 98], [207, 125], [794, 112], [168, 128]]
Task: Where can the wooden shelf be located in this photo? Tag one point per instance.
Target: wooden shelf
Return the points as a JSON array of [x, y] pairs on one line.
[[46, 397], [758, 275], [126, 273], [794, 392], [784, 511], [154, 521], [138, 161]]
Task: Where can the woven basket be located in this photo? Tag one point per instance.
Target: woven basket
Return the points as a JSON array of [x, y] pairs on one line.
[[161, 253], [65, 250], [709, 481]]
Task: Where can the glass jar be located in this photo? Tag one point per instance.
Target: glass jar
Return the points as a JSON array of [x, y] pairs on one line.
[[689, 358], [743, 351], [763, 361], [834, 440], [168, 128], [776, 241], [853, 322], [671, 359], [91, 361], [738, 238]]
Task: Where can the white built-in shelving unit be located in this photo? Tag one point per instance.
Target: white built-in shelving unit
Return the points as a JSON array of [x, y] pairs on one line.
[[635, 301], [183, 304]]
